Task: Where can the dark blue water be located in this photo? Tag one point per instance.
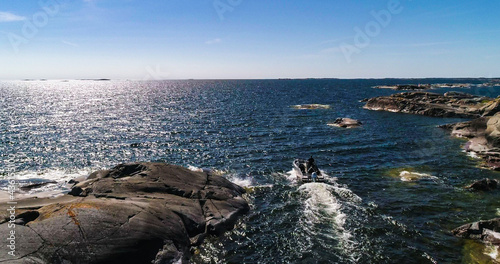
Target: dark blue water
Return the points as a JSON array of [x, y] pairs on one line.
[[249, 132]]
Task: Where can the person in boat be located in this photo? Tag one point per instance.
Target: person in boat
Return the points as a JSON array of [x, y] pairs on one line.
[[314, 176], [310, 164], [302, 168]]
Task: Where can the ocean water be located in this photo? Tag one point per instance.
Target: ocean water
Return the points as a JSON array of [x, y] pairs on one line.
[[248, 131]]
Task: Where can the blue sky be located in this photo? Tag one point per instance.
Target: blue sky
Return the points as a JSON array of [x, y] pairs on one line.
[[243, 39]]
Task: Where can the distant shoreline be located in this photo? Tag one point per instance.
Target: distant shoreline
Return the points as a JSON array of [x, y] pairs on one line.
[[252, 79]]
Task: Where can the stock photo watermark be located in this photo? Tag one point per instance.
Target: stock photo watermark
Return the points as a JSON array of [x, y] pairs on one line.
[[32, 26], [155, 74], [363, 36], [224, 6], [11, 210]]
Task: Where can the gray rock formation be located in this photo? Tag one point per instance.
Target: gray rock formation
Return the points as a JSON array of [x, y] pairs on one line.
[[416, 87], [484, 231], [451, 104], [483, 185], [345, 123], [133, 213], [483, 134], [407, 87]]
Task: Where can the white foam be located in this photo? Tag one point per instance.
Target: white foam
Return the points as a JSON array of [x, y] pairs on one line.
[[492, 252], [55, 174], [291, 176], [196, 169], [322, 206], [58, 177], [347, 195], [234, 178], [473, 155], [243, 182]]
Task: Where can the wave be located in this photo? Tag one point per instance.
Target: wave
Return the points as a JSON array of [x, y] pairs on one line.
[[45, 183], [53, 174], [326, 204], [238, 179]]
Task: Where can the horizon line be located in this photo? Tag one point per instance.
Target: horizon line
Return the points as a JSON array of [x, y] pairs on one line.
[[229, 79]]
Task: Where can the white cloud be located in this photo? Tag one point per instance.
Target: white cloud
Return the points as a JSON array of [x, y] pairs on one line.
[[213, 41], [9, 17]]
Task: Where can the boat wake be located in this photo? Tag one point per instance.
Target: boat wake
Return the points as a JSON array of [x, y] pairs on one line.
[[292, 177], [327, 205]]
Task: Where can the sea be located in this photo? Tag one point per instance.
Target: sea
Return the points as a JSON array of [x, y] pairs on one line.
[[250, 132]]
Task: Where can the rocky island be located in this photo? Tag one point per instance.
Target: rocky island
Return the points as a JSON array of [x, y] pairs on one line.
[[451, 104], [311, 106], [415, 87], [132, 213]]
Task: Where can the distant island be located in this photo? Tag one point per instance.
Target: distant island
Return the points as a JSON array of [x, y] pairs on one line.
[[414, 87]]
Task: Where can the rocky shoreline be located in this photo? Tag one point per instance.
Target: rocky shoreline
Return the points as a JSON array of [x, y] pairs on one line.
[[451, 104], [416, 87], [133, 213], [482, 132], [428, 86]]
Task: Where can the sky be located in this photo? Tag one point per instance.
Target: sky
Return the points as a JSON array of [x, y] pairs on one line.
[[248, 39]]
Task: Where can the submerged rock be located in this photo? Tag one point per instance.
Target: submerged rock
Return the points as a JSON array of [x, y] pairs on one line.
[[133, 213], [483, 185], [311, 106], [345, 123], [415, 176], [484, 231]]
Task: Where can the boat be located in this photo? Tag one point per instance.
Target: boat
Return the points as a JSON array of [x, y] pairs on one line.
[[304, 170]]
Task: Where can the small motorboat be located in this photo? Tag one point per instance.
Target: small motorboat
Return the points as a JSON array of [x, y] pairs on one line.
[[307, 171]]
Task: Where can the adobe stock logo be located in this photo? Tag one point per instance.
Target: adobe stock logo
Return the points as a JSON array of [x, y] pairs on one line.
[[364, 36], [32, 26], [224, 6]]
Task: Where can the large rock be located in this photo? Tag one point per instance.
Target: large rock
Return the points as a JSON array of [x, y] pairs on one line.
[[484, 138], [483, 185], [469, 129], [133, 213], [484, 231], [451, 104], [345, 123]]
